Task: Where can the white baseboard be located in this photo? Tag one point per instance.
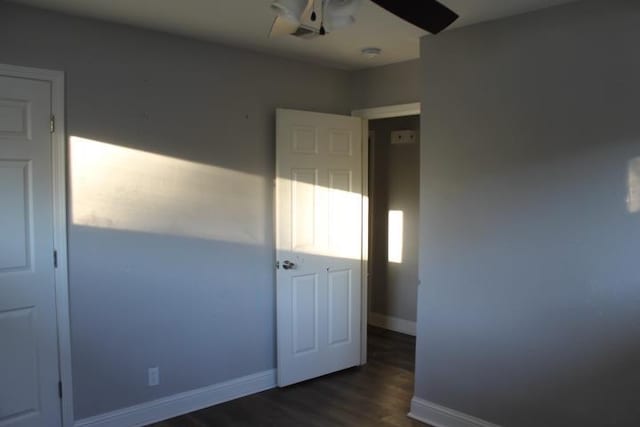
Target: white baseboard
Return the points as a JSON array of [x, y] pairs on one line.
[[182, 403], [392, 323], [440, 416]]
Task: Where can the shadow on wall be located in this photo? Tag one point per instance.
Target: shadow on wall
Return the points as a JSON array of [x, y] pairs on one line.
[[189, 306], [565, 361], [548, 296]]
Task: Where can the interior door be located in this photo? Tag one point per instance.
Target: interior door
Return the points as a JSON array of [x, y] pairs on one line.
[[319, 243], [28, 332]]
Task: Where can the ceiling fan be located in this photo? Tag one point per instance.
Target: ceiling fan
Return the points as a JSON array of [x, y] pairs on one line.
[[312, 18]]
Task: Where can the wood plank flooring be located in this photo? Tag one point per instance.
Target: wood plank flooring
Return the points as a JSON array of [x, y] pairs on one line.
[[377, 394]]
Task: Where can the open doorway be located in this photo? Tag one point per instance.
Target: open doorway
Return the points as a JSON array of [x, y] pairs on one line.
[[394, 194], [393, 179]]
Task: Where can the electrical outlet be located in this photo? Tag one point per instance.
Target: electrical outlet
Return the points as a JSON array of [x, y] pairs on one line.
[[154, 376]]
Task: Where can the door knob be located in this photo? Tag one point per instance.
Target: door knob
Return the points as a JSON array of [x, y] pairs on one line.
[[288, 265]]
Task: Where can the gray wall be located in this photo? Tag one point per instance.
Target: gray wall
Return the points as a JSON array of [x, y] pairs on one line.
[[388, 85], [171, 255], [395, 182], [529, 308]]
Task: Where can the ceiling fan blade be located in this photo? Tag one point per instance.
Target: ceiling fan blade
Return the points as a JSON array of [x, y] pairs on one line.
[[283, 27], [430, 15]]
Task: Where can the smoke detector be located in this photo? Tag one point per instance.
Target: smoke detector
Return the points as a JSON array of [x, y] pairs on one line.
[[371, 52]]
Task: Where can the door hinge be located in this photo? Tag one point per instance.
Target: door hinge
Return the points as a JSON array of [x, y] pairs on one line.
[[55, 259], [277, 265], [52, 124], [60, 389]]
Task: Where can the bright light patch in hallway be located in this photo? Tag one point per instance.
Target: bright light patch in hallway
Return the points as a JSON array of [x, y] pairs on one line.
[[396, 224]]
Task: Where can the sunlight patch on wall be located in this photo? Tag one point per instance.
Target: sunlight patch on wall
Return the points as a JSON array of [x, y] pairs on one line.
[[126, 189], [396, 230], [633, 195]]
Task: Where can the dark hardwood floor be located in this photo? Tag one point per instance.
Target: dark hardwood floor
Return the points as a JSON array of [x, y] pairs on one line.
[[377, 394]]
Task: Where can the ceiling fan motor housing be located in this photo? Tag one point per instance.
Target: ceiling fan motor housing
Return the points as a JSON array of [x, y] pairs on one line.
[[289, 9]]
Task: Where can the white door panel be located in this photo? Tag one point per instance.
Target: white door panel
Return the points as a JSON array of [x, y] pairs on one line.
[[28, 335], [304, 314], [15, 251], [319, 230], [340, 296]]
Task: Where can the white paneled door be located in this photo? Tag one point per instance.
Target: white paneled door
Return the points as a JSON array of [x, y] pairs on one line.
[[28, 332], [318, 243]]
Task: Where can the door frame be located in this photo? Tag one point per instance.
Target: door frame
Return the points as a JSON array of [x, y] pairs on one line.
[[366, 114], [61, 275]]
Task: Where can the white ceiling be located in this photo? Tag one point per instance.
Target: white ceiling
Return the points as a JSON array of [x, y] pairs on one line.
[[246, 23]]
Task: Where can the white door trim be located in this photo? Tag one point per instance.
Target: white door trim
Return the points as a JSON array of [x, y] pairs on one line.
[[367, 114], [388, 111], [58, 157]]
